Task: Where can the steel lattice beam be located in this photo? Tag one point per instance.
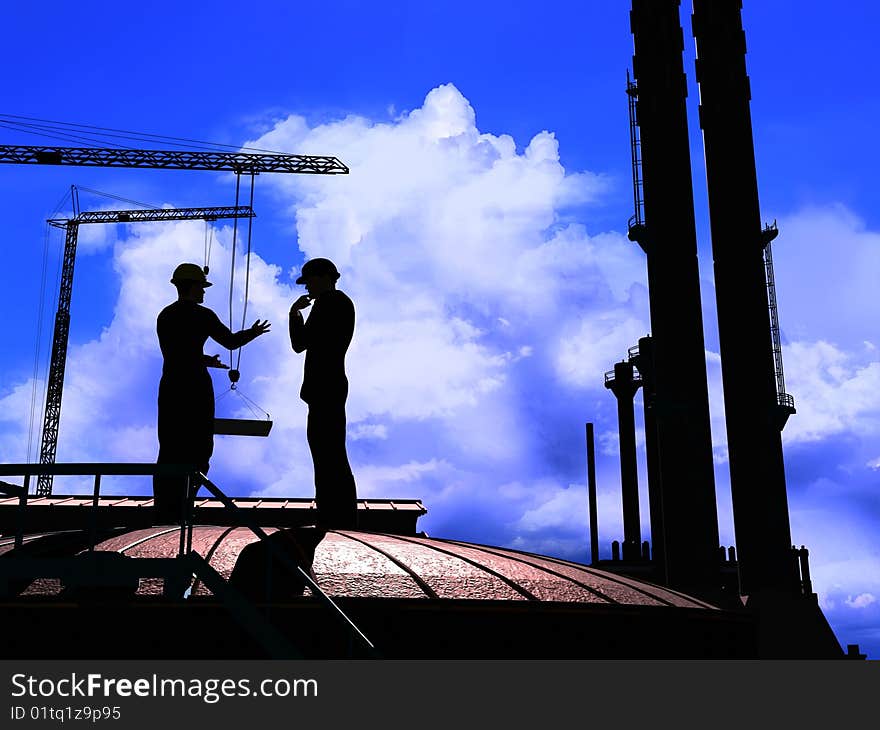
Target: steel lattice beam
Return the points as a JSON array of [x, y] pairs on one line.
[[239, 162], [55, 378], [157, 214]]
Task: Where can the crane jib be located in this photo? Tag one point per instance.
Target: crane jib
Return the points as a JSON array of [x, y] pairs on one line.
[[159, 214], [239, 162]]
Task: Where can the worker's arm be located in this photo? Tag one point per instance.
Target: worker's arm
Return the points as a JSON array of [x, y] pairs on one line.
[[299, 332], [220, 333]]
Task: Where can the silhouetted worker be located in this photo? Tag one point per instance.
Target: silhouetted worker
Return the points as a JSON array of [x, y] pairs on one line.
[[186, 393], [325, 337]]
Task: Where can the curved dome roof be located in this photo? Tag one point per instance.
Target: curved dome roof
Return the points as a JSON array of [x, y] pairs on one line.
[[380, 565]]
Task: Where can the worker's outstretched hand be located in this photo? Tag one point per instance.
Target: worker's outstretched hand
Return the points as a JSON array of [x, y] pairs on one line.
[[260, 328], [213, 361]]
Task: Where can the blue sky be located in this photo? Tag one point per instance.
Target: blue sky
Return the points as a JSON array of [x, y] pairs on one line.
[[481, 235]]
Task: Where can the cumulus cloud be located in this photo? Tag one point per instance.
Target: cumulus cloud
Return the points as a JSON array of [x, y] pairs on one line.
[[479, 305], [835, 391], [827, 265]]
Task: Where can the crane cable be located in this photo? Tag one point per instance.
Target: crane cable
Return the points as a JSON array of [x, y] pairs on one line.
[[234, 373], [247, 268], [21, 123], [148, 206], [209, 242]]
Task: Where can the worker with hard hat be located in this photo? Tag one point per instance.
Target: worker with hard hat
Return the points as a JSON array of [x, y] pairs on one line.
[[186, 392], [325, 337]]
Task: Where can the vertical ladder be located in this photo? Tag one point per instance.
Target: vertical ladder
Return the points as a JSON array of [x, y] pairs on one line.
[[632, 91], [784, 402]]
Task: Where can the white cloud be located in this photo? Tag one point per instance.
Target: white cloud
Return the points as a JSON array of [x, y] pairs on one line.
[[827, 266], [368, 431], [834, 392], [402, 481], [861, 601], [548, 505]]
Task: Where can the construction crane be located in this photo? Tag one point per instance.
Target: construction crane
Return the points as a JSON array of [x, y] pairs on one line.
[[238, 162], [58, 358]]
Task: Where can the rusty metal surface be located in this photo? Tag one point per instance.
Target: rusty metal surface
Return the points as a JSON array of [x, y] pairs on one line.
[[661, 593], [617, 588], [43, 587], [447, 575], [362, 564], [346, 567], [118, 542], [543, 585]]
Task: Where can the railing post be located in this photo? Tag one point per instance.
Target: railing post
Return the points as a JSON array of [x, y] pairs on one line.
[[190, 511], [22, 506], [93, 525], [183, 500]]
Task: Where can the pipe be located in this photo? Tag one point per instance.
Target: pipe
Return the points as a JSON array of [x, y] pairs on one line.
[[591, 491], [624, 386]]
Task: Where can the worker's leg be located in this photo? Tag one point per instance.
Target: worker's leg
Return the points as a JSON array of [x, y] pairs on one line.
[[335, 490], [186, 436]]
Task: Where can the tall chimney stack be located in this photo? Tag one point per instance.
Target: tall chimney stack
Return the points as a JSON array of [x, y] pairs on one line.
[[622, 382], [669, 239], [757, 475]]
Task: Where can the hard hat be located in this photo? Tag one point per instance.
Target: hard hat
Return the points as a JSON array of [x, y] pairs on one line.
[[190, 272], [317, 267]]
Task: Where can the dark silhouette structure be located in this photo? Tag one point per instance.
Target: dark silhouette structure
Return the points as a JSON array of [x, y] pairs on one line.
[[624, 384], [325, 338], [773, 575], [642, 356], [186, 392], [668, 237], [751, 401], [771, 578]]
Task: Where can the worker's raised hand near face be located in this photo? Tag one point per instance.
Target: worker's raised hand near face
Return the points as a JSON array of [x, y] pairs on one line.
[[259, 328], [213, 361], [301, 303]]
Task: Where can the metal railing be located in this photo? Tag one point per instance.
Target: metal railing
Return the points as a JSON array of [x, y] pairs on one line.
[[186, 560], [785, 400]]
